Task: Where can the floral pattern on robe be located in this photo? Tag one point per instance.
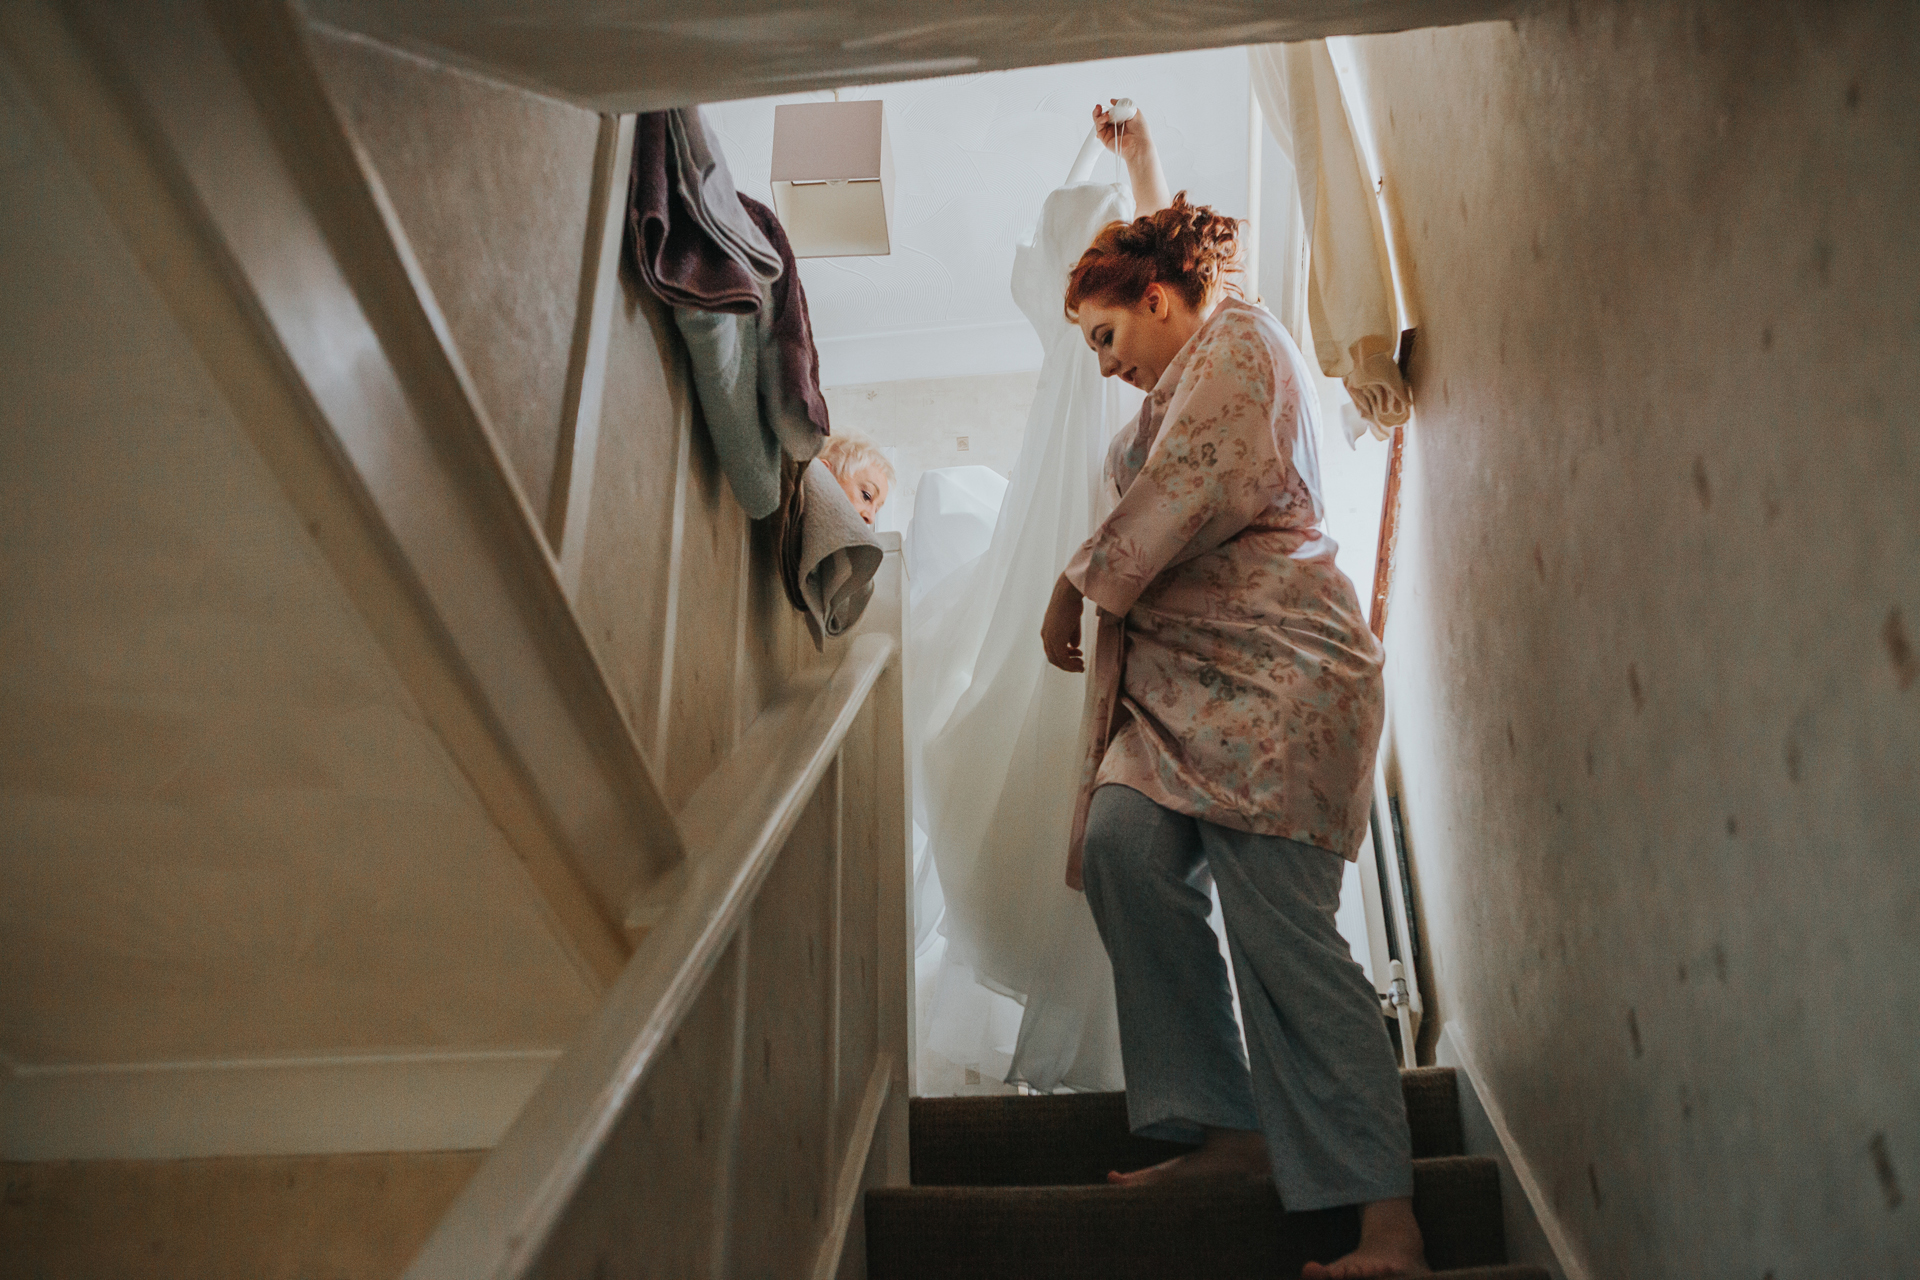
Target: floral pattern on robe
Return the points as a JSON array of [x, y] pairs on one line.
[[1235, 678]]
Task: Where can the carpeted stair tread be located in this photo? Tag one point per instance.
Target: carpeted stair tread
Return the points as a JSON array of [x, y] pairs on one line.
[[1457, 1200], [1064, 1139], [1219, 1231], [1433, 1111]]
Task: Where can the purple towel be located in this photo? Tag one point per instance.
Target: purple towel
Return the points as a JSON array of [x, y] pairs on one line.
[[790, 388], [672, 251]]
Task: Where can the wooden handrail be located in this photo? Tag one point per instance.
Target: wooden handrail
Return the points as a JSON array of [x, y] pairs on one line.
[[1389, 537], [1390, 504], [734, 826]]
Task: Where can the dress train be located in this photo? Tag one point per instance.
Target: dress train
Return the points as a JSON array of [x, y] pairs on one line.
[[996, 765]]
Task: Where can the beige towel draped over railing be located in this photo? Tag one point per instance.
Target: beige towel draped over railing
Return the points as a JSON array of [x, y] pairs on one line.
[[828, 554], [1349, 302]]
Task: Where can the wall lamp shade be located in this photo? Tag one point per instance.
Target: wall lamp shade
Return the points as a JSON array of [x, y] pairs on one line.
[[833, 178]]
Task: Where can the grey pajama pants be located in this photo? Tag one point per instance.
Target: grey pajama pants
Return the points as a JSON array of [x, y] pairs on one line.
[[1323, 1087]]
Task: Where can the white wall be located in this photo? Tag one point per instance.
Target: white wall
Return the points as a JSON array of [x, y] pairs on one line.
[[1352, 478], [975, 157], [922, 422]]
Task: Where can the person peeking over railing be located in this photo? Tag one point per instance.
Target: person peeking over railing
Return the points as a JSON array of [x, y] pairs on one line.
[[862, 470]]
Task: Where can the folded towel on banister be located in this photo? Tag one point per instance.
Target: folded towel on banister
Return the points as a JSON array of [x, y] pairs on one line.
[[828, 555], [689, 252]]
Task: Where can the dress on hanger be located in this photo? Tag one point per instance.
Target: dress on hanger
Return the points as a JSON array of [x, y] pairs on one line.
[[996, 772]]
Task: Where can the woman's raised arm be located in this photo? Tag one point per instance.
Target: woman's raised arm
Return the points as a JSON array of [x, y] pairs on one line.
[[1131, 142]]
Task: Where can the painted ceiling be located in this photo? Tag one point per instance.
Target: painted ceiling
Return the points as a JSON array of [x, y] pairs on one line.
[[974, 157]]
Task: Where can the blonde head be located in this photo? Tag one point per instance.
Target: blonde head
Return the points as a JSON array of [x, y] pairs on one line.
[[846, 454], [862, 470]]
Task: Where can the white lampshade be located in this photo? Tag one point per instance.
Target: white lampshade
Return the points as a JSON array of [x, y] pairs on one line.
[[833, 178]]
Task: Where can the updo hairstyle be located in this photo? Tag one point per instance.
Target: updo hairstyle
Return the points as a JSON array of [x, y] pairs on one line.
[[1186, 247]]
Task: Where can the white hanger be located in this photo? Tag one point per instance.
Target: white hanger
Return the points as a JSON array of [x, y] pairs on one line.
[[1083, 163]]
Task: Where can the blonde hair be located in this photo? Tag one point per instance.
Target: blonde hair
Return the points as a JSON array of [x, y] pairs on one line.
[[847, 454]]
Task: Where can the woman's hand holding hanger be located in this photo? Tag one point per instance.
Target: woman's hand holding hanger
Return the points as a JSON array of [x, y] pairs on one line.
[[1130, 141]]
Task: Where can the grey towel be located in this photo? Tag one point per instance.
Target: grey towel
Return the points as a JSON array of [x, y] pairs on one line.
[[758, 379], [724, 355], [838, 555]]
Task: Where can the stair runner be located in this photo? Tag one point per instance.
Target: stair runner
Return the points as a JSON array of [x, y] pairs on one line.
[[1007, 1188]]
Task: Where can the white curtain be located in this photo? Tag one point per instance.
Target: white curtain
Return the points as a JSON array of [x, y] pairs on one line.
[[1347, 299]]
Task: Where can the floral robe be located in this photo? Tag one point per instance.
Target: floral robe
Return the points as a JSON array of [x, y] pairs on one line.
[[1235, 678]]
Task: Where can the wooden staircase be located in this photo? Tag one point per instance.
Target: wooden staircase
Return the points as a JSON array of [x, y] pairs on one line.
[[1006, 1188], [441, 817]]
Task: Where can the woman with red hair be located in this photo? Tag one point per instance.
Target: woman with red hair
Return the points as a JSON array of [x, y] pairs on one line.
[[1238, 708]]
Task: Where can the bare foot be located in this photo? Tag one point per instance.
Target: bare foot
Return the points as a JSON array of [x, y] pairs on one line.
[[1390, 1245], [1224, 1153]]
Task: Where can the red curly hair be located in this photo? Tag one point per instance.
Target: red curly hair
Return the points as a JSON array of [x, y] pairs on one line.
[[1186, 247]]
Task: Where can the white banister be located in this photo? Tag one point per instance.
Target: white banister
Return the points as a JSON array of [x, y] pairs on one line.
[[736, 825]]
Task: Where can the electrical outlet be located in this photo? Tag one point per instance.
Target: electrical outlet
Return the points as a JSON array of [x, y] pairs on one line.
[[960, 443]]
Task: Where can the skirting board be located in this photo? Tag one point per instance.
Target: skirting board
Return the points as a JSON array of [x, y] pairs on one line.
[[1535, 1234], [950, 351], [298, 1106]]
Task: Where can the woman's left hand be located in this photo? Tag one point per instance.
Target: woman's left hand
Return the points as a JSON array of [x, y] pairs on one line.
[[1060, 630]]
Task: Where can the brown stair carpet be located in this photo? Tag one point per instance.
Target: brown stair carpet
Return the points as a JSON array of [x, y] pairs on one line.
[[1062, 1139], [1009, 1188]]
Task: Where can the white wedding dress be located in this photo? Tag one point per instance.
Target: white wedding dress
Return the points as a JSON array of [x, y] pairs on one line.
[[1015, 983]]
